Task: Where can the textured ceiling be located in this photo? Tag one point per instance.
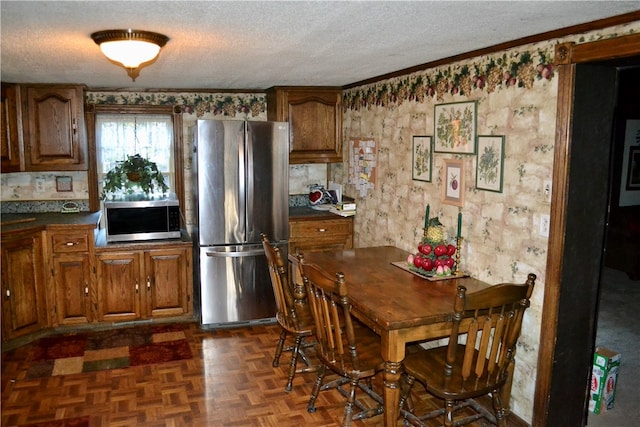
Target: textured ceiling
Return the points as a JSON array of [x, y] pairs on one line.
[[255, 45]]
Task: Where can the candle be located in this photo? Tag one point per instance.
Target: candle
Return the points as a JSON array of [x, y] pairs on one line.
[[426, 218], [460, 223]]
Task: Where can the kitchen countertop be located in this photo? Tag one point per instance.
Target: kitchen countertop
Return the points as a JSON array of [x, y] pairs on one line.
[[17, 222], [307, 212]]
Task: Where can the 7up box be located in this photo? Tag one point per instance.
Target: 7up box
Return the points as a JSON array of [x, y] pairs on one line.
[[604, 377]]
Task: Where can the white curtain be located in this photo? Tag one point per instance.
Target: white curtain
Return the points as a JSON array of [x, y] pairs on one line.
[[122, 135]]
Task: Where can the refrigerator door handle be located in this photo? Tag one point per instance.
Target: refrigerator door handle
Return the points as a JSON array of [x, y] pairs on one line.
[[231, 254]]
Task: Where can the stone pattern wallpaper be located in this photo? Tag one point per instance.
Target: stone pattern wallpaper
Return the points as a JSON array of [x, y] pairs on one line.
[[516, 95]]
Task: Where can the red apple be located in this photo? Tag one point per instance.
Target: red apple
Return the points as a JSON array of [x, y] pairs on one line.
[[440, 250], [417, 260], [425, 249], [427, 264], [451, 250]]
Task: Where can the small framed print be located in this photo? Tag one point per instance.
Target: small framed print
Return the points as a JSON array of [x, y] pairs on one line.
[[64, 184], [455, 128], [453, 182], [633, 169], [422, 158], [490, 163]]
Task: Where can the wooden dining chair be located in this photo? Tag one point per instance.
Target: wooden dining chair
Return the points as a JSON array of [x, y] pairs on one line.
[[344, 346], [292, 314], [483, 332]]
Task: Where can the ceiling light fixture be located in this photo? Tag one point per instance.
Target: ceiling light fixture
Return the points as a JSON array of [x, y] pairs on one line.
[[133, 49]]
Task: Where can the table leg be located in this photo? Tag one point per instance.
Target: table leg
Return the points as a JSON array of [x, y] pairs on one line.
[[391, 393], [393, 348]]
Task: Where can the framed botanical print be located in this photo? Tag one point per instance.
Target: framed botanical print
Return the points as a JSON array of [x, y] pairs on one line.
[[422, 158], [453, 182], [490, 163], [455, 128]]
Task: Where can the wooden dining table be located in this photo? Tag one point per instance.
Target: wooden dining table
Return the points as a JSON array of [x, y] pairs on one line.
[[398, 305]]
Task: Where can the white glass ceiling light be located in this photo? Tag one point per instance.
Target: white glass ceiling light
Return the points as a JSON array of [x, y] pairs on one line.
[[133, 49]]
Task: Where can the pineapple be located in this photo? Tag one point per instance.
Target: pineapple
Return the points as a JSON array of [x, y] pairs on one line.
[[435, 232]]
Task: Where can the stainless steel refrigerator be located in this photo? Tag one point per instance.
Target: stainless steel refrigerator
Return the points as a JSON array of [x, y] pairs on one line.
[[241, 190]]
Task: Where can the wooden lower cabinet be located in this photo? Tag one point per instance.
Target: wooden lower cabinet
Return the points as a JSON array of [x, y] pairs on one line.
[[310, 234], [168, 282], [71, 289], [133, 285], [23, 297], [118, 286]]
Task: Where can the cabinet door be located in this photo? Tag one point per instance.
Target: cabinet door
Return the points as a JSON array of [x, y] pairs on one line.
[[72, 282], [168, 282], [23, 300], [54, 129], [118, 286], [11, 148], [315, 122]]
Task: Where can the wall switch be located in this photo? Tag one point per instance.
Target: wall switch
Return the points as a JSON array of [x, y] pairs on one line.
[[546, 189], [545, 221]]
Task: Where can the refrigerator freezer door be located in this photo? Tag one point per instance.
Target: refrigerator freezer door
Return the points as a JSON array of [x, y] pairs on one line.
[[267, 188], [235, 285], [220, 164]]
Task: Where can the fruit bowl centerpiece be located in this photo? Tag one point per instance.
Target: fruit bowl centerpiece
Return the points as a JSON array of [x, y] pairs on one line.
[[435, 253]]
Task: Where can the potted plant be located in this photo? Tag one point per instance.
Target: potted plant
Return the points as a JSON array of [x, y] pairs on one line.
[[132, 173]]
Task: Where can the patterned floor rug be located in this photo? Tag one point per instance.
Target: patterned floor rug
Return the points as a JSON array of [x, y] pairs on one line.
[[69, 422], [112, 349]]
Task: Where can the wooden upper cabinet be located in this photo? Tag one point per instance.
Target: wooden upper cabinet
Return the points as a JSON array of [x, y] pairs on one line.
[[54, 127], [12, 148], [315, 121]]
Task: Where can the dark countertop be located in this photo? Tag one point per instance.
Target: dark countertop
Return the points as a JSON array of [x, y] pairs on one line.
[[17, 222], [306, 212]]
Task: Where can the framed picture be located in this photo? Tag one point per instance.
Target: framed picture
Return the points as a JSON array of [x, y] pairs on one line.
[[490, 163], [633, 169], [453, 182], [455, 128], [422, 159]]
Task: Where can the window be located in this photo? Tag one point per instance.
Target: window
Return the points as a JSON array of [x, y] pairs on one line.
[[122, 135], [153, 131]]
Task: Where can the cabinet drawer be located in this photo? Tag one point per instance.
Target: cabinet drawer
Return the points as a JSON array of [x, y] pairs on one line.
[[319, 229], [62, 243]]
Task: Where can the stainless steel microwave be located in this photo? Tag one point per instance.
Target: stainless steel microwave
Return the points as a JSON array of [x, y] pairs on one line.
[[134, 219]]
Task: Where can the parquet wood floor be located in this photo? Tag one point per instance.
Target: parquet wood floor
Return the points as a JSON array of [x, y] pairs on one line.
[[229, 382]]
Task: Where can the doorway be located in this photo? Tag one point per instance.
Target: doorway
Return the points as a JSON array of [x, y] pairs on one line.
[[619, 288], [581, 177]]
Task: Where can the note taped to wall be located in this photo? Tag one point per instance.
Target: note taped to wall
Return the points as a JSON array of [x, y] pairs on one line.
[[363, 163]]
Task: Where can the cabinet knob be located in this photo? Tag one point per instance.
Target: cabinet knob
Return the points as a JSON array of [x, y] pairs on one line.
[[148, 283], [322, 230], [137, 287], [8, 293], [70, 243], [86, 289]]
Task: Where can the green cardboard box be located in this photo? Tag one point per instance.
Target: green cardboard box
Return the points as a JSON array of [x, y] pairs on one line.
[[604, 378]]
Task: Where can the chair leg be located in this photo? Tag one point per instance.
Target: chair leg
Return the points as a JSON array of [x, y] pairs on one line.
[[501, 418], [311, 406], [279, 347], [448, 413], [405, 397], [294, 361], [348, 407]]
